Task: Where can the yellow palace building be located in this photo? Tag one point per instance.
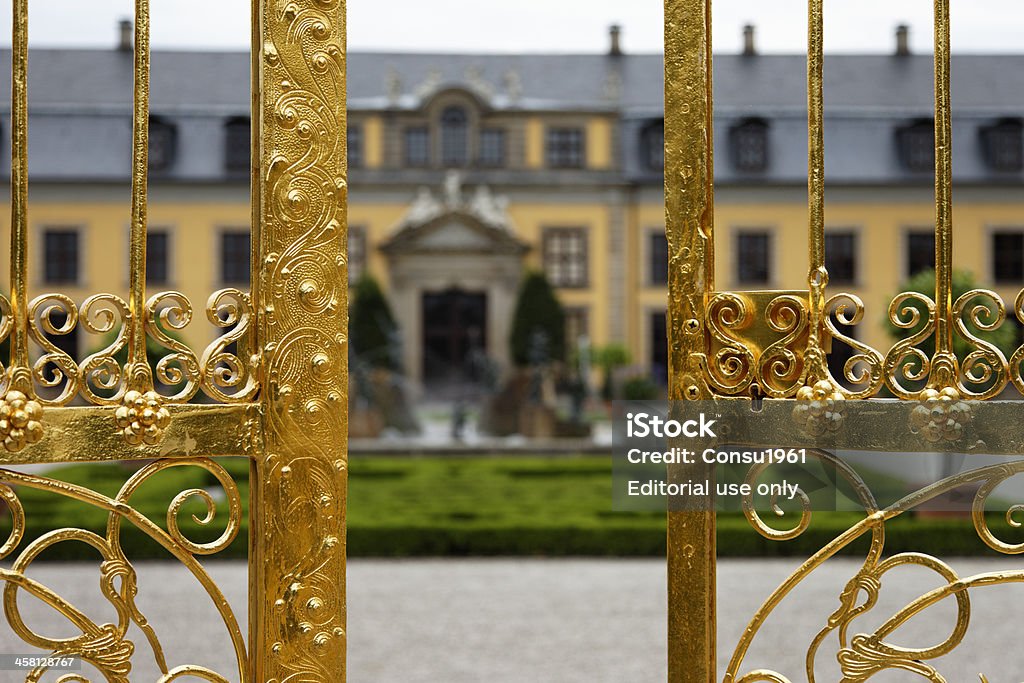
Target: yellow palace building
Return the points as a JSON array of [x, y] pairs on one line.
[[467, 170]]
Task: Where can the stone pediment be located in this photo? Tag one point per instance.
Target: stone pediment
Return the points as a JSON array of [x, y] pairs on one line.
[[451, 223], [454, 232]]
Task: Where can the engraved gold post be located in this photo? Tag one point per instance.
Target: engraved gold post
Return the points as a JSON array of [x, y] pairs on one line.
[[944, 373], [19, 197], [140, 377], [689, 226], [297, 623]]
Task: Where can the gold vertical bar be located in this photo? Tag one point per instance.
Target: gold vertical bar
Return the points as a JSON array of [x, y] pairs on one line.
[[817, 276], [300, 197], [140, 178], [815, 139], [943, 188], [689, 224], [19, 185]]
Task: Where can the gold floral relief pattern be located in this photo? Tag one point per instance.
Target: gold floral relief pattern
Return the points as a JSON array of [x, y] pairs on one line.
[[106, 647], [299, 545]]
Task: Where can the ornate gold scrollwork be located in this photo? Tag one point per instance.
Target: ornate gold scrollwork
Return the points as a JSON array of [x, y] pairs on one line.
[[865, 368], [981, 374], [729, 364], [106, 646], [864, 655], [173, 311], [984, 371], [905, 362], [1018, 356], [781, 365], [226, 376], [103, 377], [103, 381], [54, 369]]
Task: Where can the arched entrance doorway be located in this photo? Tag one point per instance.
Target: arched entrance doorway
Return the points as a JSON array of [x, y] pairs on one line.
[[454, 334]]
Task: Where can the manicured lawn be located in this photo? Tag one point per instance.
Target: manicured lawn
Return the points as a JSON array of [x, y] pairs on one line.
[[449, 506]]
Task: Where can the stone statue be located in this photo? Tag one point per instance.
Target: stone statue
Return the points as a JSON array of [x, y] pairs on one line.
[[453, 189]]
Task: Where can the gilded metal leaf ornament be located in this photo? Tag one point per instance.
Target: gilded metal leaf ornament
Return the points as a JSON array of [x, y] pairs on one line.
[[142, 417], [20, 421]]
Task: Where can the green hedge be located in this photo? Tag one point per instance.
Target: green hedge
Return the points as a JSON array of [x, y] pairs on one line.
[[464, 506]]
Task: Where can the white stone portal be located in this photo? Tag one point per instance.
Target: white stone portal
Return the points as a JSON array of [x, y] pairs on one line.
[[467, 246]]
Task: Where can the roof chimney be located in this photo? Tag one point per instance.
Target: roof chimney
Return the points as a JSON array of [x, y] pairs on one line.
[[749, 47], [902, 40], [615, 34], [126, 32]]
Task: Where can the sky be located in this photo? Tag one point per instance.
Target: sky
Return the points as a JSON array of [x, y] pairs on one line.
[[537, 25]]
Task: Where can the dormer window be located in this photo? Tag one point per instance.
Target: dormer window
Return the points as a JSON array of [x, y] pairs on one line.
[[652, 146], [163, 139], [748, 143], [454, 136], [1002, 145], [417, 146], [238, 139], [915, 144]]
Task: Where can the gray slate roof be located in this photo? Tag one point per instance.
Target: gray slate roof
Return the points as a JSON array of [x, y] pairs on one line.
[[80, 103]]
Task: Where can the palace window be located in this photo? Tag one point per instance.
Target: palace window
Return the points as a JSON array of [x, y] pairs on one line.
[[920, 251], [157, 257], [841, 257], [659, 347], [163, 141], [61, 252], [1002, 145], [577, 326], [239, 142], [748, 145], [417, 146], [1008, 256], [652, 146], [565, 256], [492, 147], [565, 147], [657, 255], [454, 137], [356, 253], [354, 139], [915, 144], [235, 257], [753, 257]]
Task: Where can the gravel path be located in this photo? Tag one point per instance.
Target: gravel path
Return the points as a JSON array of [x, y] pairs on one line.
[[563, 621]]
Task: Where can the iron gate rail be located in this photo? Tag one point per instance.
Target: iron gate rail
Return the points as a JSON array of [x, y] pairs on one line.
[[735, 346], [276, 374]]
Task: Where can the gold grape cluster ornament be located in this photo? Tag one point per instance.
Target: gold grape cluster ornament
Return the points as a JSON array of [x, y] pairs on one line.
[[819, 408], [142, 418], [20, 421], [942, 415]]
